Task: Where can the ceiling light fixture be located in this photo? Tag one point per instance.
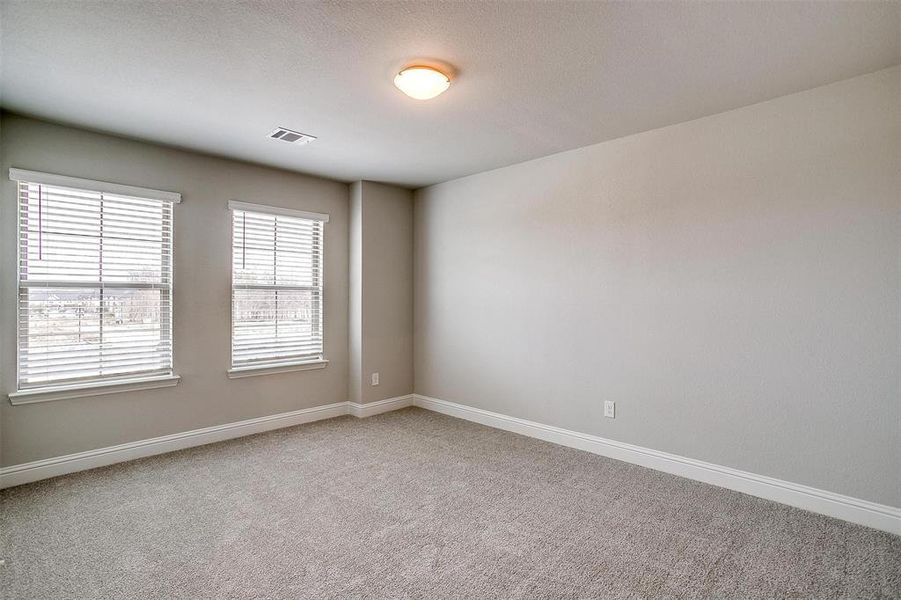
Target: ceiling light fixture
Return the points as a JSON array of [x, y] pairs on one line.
[[421, 82]]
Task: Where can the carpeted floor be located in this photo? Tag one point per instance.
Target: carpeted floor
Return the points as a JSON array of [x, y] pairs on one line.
[[413, 504]]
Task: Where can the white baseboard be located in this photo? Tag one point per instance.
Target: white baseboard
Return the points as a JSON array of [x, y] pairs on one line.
[[855, 510], [101, 457], [70, 463], [369, 409]]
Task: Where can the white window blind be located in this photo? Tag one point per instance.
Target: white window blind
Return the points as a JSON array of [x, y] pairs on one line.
[[276, 286], [94, 282]]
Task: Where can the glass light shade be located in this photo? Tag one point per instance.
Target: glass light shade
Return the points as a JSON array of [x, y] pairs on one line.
[[421, 83]]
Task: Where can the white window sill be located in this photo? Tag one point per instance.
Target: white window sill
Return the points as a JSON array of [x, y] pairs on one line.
[[251, 371], [94, 388]]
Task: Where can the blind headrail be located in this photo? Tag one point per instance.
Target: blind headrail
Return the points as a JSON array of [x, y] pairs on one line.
[[77, 183], [277, 210]]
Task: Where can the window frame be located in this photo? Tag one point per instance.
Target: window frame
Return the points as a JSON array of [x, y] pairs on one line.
[[103, 385], [287, 366]]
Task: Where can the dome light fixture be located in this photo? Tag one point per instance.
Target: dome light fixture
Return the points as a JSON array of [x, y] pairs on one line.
[[421, 82]]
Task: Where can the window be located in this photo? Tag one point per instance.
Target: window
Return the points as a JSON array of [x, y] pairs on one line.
[[94, 282], [276, 287]]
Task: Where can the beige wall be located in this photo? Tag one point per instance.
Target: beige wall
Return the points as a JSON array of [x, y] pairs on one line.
[[381, 302], [205, 396], [732, 283]]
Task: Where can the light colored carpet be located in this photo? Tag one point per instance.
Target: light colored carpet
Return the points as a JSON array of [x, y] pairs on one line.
[[413, 504]]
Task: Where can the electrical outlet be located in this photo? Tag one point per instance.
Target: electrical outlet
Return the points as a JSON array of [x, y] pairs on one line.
[[375, 379], [610, 409]]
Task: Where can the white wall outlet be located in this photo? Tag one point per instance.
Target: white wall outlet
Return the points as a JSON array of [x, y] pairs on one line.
[[375, 379], [610, 409]]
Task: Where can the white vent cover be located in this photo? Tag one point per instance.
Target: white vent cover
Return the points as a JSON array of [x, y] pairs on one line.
[[292, 137]]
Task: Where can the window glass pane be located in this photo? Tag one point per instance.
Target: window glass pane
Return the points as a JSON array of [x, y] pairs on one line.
[[62, 333], [135, 334], [254, 249], [60, 230]]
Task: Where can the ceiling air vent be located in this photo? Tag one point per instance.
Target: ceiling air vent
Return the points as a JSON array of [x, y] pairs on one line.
[[292, 137]]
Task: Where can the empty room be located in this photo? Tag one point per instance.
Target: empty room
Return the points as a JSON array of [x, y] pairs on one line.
[[445, 299]]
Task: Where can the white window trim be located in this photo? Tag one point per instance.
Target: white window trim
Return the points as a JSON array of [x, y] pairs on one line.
[[254, 370], [285, 367], [93, 185], [83, 390], [93, 388]]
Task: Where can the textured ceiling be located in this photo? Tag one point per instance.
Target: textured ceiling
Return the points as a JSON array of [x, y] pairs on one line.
[[534, 78]]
